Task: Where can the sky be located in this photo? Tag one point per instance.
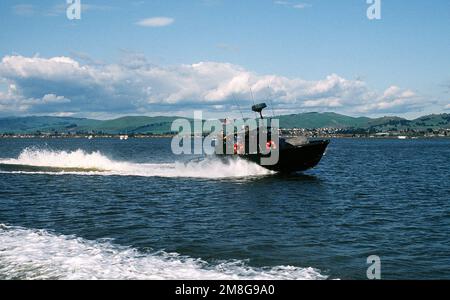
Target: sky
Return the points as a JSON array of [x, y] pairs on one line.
[[168, 57]]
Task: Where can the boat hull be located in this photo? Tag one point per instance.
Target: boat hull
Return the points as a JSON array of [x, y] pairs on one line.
[[293, 159]]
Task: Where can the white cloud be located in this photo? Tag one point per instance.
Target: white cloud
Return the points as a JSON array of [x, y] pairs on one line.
[[156, 22], [447, 106], [301, 5], [57, 9], [394, 99], [24, 9], [52, 98], [63, 84], [281, 2], [293, 5]]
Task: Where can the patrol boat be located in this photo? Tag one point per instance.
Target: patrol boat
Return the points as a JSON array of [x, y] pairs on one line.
[[296, 154]]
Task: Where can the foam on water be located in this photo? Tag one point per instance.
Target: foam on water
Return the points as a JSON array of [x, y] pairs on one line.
[[79, 159], [38, 254]]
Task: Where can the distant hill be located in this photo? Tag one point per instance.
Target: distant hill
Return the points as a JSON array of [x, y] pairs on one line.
[[322, 120], [162, 125], [43, 124], [128, 125], [333, 120], [133, 125], [434, 122]]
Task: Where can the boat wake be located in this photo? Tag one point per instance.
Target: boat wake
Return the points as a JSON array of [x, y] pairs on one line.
[[79, 162], [38, 254]]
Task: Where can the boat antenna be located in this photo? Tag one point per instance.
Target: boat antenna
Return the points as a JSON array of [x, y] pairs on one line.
[[239, 107], [253, 99], [270, 102]]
